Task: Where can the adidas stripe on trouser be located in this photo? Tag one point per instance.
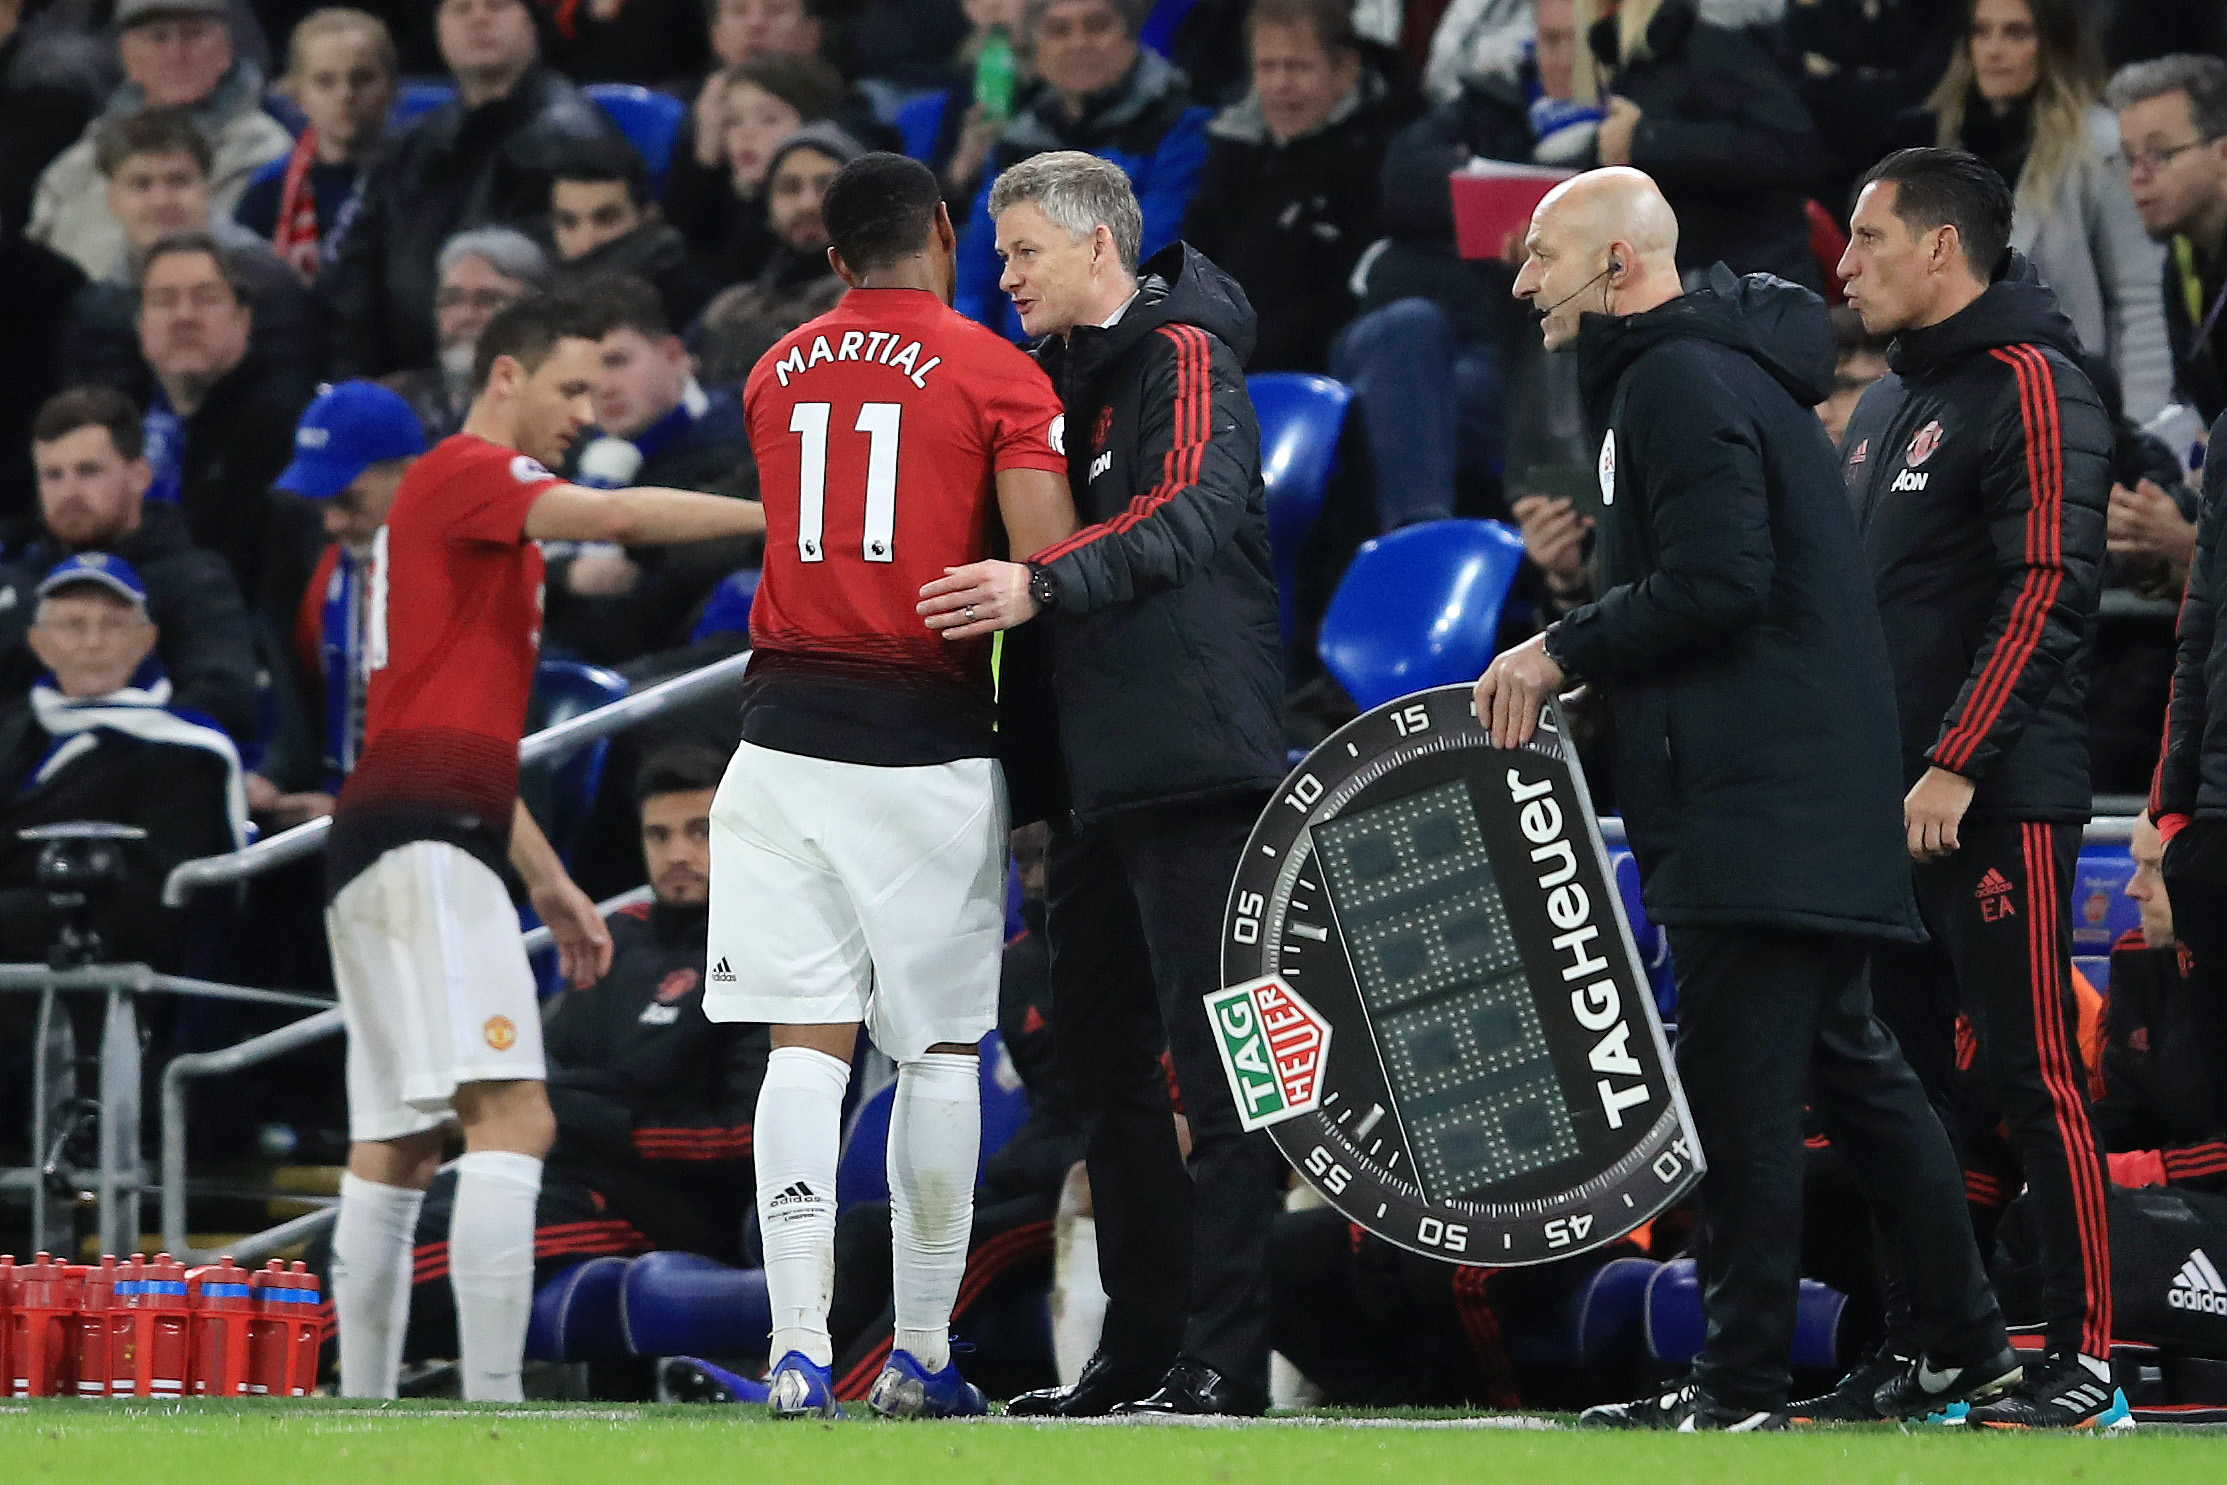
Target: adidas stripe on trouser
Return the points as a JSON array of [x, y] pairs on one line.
[[2002, 952]]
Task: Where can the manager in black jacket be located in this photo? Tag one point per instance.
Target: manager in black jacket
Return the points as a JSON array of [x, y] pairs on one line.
[[1742, 661], [1980, 468], [1159, 741], [2189, 797]]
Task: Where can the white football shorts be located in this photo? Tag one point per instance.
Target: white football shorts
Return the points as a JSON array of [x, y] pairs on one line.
[[434, 987], [844, 892]]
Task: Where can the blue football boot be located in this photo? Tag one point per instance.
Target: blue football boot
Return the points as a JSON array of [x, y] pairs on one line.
[[799, 1388], [906, 1389]]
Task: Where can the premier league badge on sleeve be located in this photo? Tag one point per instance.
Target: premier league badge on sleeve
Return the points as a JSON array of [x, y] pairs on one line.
[[1432, 1000]]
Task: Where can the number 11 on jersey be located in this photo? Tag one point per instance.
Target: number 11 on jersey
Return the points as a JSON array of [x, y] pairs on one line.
[[880, 422]]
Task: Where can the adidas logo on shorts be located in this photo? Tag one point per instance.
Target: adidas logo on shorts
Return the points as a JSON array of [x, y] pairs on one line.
[[2198, 1286], [721, 974]]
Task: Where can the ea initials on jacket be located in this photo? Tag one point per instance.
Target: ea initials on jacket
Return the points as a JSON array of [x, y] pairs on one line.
[[1432, 1001]]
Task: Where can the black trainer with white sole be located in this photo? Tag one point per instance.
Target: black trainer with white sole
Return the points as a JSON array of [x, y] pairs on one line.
[[1855, 1398], [1920, 1389], [1684, 1408], [2061, 1392]]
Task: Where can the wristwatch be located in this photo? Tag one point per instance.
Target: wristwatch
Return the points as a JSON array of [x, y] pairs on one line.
[[1550, 642], [1042, 589]]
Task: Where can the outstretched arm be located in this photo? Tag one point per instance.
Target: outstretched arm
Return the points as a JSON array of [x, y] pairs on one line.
[[641, 516]]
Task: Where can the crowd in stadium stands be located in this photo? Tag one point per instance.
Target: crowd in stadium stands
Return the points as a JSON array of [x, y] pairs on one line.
[[210, 209]]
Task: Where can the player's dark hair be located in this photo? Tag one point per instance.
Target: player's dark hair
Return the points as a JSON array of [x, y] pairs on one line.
[[1950, 188], [679, 768], [623, 301], [1330, 20], [151, 131], [879, 209], [527, 330], [92, 407], [605, 157]]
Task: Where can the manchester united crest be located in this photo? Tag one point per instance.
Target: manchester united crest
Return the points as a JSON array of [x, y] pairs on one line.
[[500, 1033], [1922, 445]]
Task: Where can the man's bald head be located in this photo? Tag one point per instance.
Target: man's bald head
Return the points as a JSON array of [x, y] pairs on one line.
[[1609, 229], [1616, 204]]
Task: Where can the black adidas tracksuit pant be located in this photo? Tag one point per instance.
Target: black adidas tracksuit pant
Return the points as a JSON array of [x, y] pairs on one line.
[[2001, 952], [2196, 885]]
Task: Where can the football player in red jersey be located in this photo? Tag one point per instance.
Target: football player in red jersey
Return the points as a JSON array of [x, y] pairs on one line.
[[436, 992], [859, 839]]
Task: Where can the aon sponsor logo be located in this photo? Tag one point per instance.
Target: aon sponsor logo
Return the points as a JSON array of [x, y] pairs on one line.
[[2198, 1286], [1910, 479]]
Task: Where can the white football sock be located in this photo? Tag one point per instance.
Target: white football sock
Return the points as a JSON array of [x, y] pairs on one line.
[[797, 1138], [372, 1243], [491, 1269], [935, 1143]]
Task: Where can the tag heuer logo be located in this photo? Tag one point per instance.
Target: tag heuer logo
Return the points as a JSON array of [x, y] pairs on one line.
[[1274, 1047], [2198, 1286]]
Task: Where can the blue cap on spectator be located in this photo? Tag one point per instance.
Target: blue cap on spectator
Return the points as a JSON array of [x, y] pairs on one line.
[[350, 427], [112, 573]]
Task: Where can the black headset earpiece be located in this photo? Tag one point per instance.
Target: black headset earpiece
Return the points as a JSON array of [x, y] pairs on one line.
[[1615, 265]]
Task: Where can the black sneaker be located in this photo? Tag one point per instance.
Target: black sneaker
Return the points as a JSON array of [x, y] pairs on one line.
[[1917, 1390], [2059, 1393], [1854, 1400], [1683, 1408]]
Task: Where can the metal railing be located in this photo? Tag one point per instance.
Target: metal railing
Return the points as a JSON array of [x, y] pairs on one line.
[[259, 1049], [2113, 824], [120, 1175], [306, 839]]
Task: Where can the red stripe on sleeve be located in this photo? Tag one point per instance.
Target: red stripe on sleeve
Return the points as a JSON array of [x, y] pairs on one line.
[[1194, 422], [2038, 589]]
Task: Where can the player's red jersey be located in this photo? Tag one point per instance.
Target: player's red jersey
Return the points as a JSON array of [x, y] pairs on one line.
[[879, 430], [452, 633]]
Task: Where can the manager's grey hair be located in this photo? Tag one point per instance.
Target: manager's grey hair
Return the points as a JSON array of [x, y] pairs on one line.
[[510, 253], [2202, 78], [1080, 193]]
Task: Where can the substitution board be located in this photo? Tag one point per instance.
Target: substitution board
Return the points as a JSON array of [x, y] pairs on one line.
[[1432, 1000]]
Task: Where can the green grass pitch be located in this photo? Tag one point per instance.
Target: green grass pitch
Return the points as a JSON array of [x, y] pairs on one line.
[[327, 1443]]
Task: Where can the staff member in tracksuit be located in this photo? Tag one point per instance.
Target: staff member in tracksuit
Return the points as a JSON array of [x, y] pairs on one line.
[[1737, 647], [2189, 797], [1980, 468], [1151, 756]]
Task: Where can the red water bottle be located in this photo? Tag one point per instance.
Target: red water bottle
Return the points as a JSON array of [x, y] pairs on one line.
[[41, 1341], [7, 1322], [162, 1338], [125, 1324], [96, 1307], [285, 1308], [309, 1328], [223, 1308]]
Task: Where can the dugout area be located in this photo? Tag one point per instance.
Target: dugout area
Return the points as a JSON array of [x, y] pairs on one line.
[[340, 1443]]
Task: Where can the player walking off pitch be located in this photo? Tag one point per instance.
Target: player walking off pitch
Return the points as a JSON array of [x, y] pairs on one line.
[[434, 987], [859, 839]]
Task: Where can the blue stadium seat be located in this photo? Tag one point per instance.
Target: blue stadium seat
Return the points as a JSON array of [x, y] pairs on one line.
[[419, 95], [920, 120], [576, 1314], [684, 1304], [1419, 607], [1158, 31], [561, 791], [2100, 910], [727, 611], [648, 119], [1597, 1326], [862, 1174], [1300, 416], [1653, 944], [1675, 1328]]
